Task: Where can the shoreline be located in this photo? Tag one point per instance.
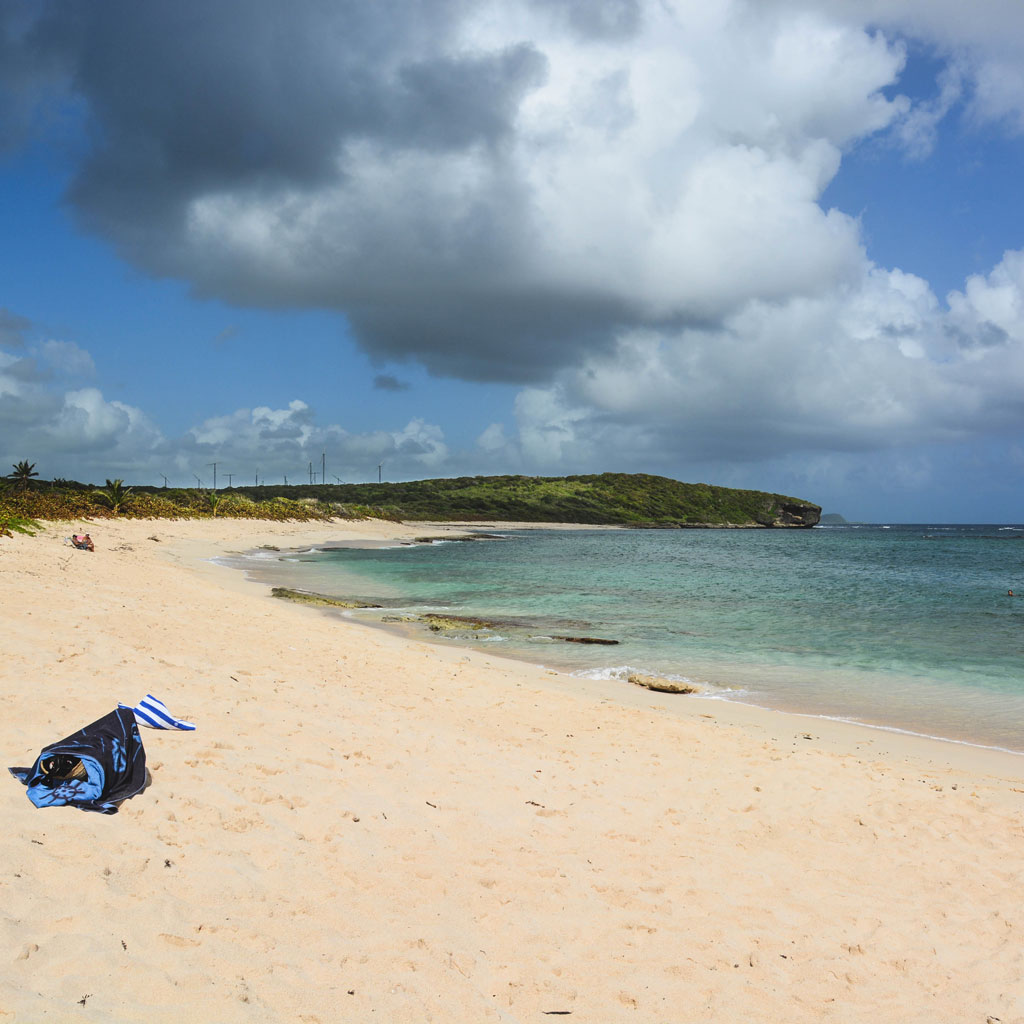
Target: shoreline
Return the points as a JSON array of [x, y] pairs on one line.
[[413, 631], [368, 826]]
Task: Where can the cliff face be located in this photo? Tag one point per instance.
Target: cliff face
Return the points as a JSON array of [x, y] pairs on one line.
[[794, 513]]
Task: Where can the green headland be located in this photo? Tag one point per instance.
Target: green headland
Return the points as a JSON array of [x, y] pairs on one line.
[[621, 499]]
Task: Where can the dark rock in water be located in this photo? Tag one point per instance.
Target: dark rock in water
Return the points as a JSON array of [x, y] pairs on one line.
[[464, 537], [441, 623], [318, 600], [662, 685], [585, 640]]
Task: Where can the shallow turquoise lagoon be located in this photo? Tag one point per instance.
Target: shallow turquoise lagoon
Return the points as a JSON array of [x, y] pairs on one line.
[[902, 626]]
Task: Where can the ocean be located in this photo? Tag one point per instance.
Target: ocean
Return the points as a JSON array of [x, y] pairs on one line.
[[906, 627]]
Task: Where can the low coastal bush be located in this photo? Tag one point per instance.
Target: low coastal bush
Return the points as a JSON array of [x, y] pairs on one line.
[[59, 504], [11, 525]]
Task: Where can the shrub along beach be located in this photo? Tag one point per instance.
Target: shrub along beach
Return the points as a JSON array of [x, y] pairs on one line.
[[369, 827]]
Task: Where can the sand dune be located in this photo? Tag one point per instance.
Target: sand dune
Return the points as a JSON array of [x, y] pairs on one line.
[[365, 827]]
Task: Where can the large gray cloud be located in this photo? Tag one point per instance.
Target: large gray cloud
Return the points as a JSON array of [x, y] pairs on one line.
[[493, 189]]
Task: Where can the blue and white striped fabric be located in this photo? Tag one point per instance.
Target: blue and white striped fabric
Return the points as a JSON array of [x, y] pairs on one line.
[[152, 712]]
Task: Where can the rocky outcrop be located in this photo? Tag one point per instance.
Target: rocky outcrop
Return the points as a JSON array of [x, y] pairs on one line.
[[585, 640], [793, 513], [318, 600], [445, 623], [662, 685]]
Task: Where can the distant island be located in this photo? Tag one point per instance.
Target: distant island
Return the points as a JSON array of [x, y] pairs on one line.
[[636, 500], [833, 519]]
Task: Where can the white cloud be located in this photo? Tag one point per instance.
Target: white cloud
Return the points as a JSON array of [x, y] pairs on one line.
[[866, 367], [984, 40], [80, 434], [86, 422], [493, 438], [67, 358]]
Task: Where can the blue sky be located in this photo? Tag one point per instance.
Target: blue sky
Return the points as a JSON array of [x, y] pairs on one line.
[[772, 245]]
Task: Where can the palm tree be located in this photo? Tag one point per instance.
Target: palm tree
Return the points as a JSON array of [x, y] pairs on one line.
[[114, 496], [23, 473]]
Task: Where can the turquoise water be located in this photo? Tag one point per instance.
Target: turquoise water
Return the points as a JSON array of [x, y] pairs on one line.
[[903, 626]]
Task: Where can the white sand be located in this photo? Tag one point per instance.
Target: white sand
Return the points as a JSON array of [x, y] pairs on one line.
[[370, 828]]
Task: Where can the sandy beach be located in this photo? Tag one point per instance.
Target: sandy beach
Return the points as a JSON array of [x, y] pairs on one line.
[[367, 827]]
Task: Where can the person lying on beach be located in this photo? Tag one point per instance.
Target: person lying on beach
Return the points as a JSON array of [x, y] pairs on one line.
[[83, 542]]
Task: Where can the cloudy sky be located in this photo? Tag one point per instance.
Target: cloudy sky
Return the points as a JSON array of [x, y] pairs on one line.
[[762, 243]]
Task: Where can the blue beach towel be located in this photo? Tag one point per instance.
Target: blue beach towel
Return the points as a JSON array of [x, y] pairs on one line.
[[152, 712], [93, 769]]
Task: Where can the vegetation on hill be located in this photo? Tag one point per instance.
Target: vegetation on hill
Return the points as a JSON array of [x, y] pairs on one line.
[[636, 499], [609, 498]]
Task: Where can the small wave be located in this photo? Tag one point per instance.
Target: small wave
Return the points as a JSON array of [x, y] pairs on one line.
[[621, 673], [259, 556]]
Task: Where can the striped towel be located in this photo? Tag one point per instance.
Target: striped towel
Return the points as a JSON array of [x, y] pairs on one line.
[[152, 712]]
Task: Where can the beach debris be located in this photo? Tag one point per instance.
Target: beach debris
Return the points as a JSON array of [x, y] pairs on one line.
[[429, 804], [585, 640], [662, 685], [319, 600]]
